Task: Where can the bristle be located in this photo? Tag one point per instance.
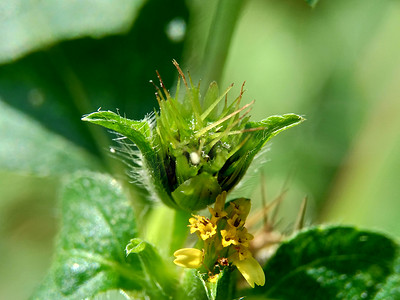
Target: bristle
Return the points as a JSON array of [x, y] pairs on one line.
[[247, 130], [215, 103], [163, 85], [241, 92], [151, 119], [158, 93], [190, 79], [263, 194], [180, 72], [126, 152], [158, 99], [300, 218], [227, 130], [266, 209], [277, 206], [205, 129]]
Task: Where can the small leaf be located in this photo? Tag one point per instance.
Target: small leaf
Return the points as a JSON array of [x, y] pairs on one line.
[[97, 223], [136, 131], [270, 127], [334, 263], [139, 133], [192, 286], [222, 288], [197, 192], [162, 281], [259, 133]]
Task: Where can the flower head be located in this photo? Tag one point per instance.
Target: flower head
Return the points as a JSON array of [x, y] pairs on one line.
[[226, 240], [218, 211], [203, 226], [194, 147]]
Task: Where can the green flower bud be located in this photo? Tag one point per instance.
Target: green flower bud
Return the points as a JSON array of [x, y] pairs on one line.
[[197, 146]]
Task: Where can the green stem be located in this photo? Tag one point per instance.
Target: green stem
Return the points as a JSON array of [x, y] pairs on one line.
[[180, 230], [219, 39]]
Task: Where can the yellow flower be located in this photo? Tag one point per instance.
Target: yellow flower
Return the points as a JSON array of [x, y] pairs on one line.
[[218, 211], [203, 225], [235, 221], [240, 207], [229, 237], [243, 252], [213, 278], [243, 237], [233, 236], [251, 271], [189, 258]]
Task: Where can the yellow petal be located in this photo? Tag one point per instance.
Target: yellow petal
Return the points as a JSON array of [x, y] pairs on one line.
[[228, 237], [220, 202], [251, 271], [240, 207], [189, 258], [213, 278]]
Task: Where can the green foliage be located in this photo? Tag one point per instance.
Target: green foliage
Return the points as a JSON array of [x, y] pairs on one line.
[[161, 280], [97, 223], [53, 23], [61, 59], [334, 263], [139, 133], [58, 84], [55, 156], [237, 165], [221, 289]]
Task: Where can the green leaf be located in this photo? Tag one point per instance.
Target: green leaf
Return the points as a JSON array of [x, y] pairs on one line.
[[136, 131], [197, 192], [259, 133], [97, 223], [162, 281], [192, 287], [222, 288], [58, 84], [334, 263], [270, 127], [139, 133], [27, 26], [27, 147]]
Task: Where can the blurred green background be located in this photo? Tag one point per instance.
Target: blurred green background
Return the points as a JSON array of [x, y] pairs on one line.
[[337, 64]]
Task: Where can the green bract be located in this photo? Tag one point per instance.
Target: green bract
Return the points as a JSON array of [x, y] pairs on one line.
[[197, 146]]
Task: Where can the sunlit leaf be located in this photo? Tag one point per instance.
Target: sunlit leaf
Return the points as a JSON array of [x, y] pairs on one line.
[[222, 288], [257, 135], [58, 84], [139, 133], [334, 263], [136, 131], [97, 223], [29, 25], [162, 280]]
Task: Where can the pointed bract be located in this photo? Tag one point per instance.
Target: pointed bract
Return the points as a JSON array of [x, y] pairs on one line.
[[251, 271]]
